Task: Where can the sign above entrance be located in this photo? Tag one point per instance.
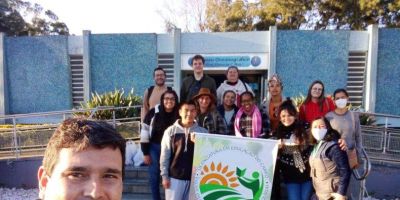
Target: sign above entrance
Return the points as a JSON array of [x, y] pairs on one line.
[[256, 61]]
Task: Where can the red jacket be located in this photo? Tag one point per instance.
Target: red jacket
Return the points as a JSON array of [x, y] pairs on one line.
[[310, 111]]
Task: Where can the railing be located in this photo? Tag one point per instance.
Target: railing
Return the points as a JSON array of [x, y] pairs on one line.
[[29, 140]]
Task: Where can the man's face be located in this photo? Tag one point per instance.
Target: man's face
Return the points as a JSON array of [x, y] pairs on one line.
[[88, 174], [198, 66], [159, 77], [187, 113]]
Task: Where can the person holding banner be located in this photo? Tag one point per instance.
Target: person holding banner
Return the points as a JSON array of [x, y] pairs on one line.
[[294, 153], [177, 148], [249, 121], [208, 117], [330, 170]]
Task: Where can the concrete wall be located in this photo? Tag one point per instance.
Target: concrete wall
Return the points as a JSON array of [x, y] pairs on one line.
[[20, 173], [38, 74], [388, 76], [305, 56], [230, 42], [122, 61]]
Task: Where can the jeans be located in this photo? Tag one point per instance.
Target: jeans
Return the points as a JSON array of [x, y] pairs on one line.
[[299, 191], [154, 170]]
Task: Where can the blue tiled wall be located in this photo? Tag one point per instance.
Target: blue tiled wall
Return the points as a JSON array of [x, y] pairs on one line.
[[38, 74], [122, 61], [305, 56], [388, 77]]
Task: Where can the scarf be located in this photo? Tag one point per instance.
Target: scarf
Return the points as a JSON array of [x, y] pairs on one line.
[[256, 122]]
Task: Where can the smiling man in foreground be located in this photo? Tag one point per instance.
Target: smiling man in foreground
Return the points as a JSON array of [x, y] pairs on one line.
[[84, 159]]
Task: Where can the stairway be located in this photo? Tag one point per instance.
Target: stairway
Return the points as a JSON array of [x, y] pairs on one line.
[[136, 184]]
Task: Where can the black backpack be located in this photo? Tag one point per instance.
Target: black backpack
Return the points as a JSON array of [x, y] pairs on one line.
[[150, 90]]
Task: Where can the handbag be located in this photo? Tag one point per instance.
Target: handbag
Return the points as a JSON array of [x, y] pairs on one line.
[[352, 153]]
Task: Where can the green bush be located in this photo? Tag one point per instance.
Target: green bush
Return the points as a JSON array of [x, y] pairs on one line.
[[117, 98], [298, 100]]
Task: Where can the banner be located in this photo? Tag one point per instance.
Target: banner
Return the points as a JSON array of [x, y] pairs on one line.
[[244, 61], [228, 167]]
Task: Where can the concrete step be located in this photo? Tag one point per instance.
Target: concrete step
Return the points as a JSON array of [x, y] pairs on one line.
[[132, 172]]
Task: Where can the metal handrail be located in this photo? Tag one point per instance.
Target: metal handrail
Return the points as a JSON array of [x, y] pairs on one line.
[[63, 112]]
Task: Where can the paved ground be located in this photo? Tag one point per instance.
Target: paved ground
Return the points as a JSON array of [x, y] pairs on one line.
[[384, 182]]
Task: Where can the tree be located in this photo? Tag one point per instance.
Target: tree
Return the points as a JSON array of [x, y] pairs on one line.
[[240, 15], [357, 15], [189, 15], [225, 15], [13, 14], [289, 14]]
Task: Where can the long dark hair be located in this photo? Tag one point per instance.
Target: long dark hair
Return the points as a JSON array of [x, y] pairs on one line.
[[321, 99], [162, 108], [160, 120], [331, 133], [298, 128]]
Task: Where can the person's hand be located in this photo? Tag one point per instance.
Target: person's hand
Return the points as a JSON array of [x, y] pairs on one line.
[[337, 196], [280, 144], [147, 159], [342, 144], [166, 183], [192, 137]]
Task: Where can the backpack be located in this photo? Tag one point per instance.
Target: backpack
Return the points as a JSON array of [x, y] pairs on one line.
[[150, 90]]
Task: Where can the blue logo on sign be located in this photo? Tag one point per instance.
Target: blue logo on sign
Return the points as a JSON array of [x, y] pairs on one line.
[[255, 61]]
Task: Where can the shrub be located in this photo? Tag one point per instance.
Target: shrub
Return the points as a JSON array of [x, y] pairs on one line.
[[117, 98]]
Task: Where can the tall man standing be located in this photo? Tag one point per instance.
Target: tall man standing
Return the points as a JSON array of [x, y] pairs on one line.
[[153, 94], [192, 84]]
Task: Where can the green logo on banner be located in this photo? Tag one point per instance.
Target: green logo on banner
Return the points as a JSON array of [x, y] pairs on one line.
[[219, 182]]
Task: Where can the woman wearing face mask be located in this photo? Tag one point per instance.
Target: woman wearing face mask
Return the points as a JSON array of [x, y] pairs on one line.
[[345, 122], [294, 153], [316, 104], [330, 171]]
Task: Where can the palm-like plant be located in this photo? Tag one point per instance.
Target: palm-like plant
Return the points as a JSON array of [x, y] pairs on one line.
[[117, 98]]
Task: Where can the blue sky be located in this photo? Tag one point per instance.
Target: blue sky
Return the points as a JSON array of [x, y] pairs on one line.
[[105, 16]]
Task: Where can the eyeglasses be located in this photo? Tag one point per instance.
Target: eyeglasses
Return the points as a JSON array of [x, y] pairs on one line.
[[169, 99]]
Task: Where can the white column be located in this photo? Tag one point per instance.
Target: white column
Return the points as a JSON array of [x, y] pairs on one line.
[[177, 60], [272, 50], [3, 78], [86, 65], [372, 68], [272, 59]]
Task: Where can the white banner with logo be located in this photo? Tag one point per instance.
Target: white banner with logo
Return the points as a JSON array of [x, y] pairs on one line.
[[228, 167]]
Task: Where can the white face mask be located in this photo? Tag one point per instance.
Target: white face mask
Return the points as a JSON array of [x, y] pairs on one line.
[[319, 133], [341, 103]]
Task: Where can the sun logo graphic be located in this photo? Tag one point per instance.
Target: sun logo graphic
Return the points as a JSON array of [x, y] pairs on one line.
[[220, 182]]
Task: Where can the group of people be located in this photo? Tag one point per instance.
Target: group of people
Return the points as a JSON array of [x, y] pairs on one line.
[[85, 158], [314, 139]]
